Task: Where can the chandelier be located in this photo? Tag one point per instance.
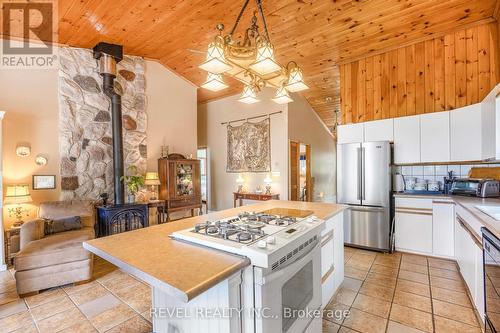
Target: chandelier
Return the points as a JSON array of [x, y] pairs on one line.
[[251, 62]]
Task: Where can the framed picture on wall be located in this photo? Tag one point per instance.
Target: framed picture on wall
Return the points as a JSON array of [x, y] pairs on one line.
[[44, 182]]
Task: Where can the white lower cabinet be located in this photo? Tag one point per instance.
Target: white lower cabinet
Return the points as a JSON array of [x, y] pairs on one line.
[[414, 231], [443, 221], [469, 256], [332, 257]]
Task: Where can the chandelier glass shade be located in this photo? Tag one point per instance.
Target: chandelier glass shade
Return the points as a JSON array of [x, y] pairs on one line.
[[282, 96], [214, 82], [216, 62], [249, 95], [295, 80], [250, 61]]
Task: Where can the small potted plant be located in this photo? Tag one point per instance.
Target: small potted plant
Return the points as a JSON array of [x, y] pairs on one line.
[[133, 182]]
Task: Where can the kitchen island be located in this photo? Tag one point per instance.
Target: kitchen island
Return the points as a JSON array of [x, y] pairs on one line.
[[184, 275]]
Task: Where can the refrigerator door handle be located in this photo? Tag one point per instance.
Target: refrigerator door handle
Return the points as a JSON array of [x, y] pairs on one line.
[[363, 187], [359, 173]]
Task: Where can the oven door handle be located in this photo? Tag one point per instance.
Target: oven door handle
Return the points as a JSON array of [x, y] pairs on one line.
[[300, 261]]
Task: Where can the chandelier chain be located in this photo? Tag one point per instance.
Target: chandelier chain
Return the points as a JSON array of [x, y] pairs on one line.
[[261, 12], [239, 17]]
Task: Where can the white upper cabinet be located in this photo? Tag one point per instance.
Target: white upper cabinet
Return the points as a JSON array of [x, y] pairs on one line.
[[407, 140], [350, 133], [379, 130], [435, 137], [466, 134]]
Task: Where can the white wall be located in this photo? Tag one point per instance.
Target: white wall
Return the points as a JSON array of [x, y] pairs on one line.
[[214, 136], [30, 99], [305, 126], [172, 112]]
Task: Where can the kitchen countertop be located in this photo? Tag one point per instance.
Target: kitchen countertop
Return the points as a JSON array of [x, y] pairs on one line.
[[178, 268], [469, 204]]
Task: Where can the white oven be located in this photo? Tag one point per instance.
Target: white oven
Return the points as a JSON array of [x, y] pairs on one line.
[[287, 293]]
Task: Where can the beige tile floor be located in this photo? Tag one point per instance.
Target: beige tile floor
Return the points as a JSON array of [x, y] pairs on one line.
[[401, 293], [393, 293], [112, 302]]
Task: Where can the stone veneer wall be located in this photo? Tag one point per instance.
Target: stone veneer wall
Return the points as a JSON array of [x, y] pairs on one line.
[[85, 141]]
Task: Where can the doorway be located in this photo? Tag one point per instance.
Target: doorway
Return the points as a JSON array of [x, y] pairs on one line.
[[300, 172], [203, 155]]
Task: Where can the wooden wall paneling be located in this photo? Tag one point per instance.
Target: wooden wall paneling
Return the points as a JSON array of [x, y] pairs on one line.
[[495, 53], [460, 69], [429, 76], [377, 87], [402, 98], [360, 115], [472, 66], [483, 60], [369, 89], [385, 86], [410, 80], [354, 91], [348, 94], [393, 77], [438, 74], [449, 71], [342, 119], [420, 78], [439, 93]]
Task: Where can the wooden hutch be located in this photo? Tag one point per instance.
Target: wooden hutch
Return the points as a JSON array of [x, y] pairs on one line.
[[180, 183]]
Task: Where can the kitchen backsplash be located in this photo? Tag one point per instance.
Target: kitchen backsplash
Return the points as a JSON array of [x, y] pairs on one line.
[[437, 172]]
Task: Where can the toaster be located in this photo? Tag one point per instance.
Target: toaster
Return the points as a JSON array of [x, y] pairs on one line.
[[482, 188]]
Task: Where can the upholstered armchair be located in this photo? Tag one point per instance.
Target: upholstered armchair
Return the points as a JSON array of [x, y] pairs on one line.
[[47, 261]]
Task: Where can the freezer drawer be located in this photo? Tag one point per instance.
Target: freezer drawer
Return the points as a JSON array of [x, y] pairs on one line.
[[367, 227]]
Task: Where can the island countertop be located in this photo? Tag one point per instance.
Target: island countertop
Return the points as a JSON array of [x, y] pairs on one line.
[[178, 268]]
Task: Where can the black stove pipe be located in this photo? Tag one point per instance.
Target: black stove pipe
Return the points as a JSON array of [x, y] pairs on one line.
[[109, 55]]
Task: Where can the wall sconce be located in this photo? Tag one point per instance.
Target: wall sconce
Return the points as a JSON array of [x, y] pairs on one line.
[[41, 160], [23, 149]]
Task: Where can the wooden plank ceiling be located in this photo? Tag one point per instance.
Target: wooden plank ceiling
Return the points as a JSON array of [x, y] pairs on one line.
[[318, 34]]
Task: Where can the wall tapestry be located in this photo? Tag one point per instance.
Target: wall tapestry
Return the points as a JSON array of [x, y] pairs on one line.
[[249, 147], [85, 141]]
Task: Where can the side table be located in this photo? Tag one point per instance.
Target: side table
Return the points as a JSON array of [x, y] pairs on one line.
[[12, 244]]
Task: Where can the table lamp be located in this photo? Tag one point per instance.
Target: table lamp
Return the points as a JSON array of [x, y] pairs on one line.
[[268, 181], [17, 195], [240, 182], [152, 180]]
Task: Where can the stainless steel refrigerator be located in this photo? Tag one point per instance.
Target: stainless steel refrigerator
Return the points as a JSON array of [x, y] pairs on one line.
[[364, 183]]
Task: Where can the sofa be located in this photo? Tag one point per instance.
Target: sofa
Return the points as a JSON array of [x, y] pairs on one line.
[[47, 261]]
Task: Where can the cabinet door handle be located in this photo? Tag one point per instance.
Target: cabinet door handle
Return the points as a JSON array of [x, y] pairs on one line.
[[471, 233], [327, 274], [326, 238]]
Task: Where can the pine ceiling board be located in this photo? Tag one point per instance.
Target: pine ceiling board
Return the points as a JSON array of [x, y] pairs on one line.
[[318, 34]]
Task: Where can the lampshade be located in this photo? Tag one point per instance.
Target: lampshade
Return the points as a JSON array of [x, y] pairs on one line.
[[282, 96], [295, 80], [152, 178], [216, 62], [268, 180], [249, 96], [264, 63], [17, 194], [214, 82], [240, 179]]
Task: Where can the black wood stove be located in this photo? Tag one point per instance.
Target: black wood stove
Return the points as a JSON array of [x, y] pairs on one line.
[[117, 217]]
